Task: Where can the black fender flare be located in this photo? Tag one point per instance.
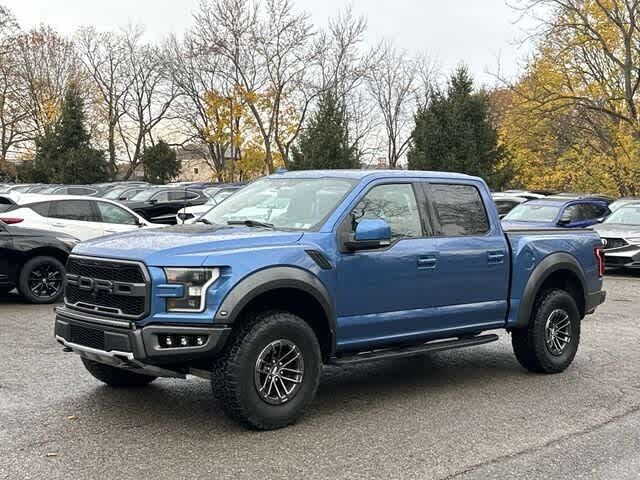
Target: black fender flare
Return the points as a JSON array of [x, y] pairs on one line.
[[274, 278], [550, 264]]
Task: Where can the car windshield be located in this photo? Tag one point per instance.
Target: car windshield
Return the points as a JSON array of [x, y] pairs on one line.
[[628, 215], [144, 195], [533, 212], [285, 203]]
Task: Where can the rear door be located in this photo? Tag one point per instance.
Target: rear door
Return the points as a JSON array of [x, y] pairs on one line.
[[75, 217], [115, 219], [473, 258]]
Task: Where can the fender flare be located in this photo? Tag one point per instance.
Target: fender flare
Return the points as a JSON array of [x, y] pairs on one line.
[[275, 278], [550, 264]]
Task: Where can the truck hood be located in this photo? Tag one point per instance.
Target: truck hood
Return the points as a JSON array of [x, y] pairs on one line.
[[182, 245], [616, 230]]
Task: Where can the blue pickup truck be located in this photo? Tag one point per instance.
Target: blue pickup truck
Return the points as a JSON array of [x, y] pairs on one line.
[[301, 269]]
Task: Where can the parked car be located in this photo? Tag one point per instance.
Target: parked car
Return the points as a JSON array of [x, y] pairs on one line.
[[190, 214], [506, 202], [33, 261], [621, 202], [70, 190], [359, 266], [104, 188], [123, 192], [523, 193], [18, 188], [160, 204], [557, 212], [620, 234], [81, 217]]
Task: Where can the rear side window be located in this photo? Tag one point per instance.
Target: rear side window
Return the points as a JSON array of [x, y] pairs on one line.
[[41, 208], [459, 209], [73, 210]]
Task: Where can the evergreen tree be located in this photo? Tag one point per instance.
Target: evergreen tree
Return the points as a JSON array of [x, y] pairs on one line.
[[454, 133], [64, 154], [160, 163], [325, 142]]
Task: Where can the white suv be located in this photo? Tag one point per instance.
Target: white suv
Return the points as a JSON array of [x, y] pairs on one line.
[[81, 217]]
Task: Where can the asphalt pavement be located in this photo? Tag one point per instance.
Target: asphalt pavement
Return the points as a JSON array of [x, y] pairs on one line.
[[463, 414]]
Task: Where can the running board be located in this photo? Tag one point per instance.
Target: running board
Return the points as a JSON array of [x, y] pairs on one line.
[[401, 352]]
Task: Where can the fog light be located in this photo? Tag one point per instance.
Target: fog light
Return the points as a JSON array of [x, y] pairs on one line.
[[184, 341], [168, 341], [199, 341]]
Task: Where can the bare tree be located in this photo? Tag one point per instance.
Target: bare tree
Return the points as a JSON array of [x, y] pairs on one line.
[[391, 82], [105, 58], [197, 74], [147, 100]]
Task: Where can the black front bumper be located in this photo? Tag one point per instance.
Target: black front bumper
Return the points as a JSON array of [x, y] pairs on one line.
[[106, 338]]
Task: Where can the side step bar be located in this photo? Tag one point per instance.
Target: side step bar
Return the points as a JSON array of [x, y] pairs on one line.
[[435, 346]]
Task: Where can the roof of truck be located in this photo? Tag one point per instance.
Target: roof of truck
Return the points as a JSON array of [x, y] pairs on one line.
[[360, 174]]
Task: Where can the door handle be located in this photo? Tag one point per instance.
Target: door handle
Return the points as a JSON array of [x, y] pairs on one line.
[[62, 225], [429, 261], [496, 256]]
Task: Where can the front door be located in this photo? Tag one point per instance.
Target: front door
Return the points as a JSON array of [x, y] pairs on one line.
[[384, 295]]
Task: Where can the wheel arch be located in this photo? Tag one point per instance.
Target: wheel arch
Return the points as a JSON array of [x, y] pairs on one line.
[[46, 251], [286, 288], [558, 270]]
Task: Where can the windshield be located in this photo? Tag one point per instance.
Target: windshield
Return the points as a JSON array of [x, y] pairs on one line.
[[629, 215], [532, 212], [144, 195], [286, 203], [115, 193]]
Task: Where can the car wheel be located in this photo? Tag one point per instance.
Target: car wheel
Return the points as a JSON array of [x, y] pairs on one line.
[[42, 280], [116, 377], [269, 372], [550, 342]]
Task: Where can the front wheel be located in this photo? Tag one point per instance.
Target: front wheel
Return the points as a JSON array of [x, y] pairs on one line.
[[550, 342], [42, 280], [269, 372]]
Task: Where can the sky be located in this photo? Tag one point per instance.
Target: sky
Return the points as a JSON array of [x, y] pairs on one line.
[[483, 34]]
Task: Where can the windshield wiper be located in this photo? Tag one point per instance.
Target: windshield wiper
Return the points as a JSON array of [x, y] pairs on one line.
[[251, 223]]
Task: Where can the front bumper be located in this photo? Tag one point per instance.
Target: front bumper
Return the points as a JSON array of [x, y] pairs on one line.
[[623, 257], [108, 341]]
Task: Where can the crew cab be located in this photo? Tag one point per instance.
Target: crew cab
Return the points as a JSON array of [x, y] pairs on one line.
[[352, 266]]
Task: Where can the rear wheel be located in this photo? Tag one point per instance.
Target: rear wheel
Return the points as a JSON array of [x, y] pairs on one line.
[[550, 342], [42, 280], [116, 377], [269, 372]]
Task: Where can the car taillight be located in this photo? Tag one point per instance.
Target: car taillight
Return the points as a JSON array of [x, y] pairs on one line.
[[11, 220], [600, 259]]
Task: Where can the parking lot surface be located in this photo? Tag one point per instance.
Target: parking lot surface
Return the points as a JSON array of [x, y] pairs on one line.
[[463, 414]]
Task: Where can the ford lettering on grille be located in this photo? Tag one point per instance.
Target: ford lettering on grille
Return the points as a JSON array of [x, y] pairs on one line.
[[109, 287]]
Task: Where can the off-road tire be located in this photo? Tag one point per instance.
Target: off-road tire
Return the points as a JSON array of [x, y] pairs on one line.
[[233, 371], [529, 343], [116, 377]]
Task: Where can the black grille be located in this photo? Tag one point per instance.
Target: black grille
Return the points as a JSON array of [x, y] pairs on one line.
[[105, 270], [101, 300], [89, 337], [105, 302], [614, 243]]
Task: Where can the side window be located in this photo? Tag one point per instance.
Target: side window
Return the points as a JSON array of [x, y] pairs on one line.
[[177, 196], [81, 191], [395, 204], [161, 197], [460, 210], [73, 210], [572, 214], [114, 214], [41, 208]]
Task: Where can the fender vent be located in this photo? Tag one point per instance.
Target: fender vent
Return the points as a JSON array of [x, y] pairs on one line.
[[320, 259]]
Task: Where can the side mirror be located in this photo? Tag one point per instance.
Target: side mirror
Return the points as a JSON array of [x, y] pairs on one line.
[[153, 201], [370, 234], [564, 222]]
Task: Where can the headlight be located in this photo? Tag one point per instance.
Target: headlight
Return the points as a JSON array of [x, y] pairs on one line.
[[196, 281]]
